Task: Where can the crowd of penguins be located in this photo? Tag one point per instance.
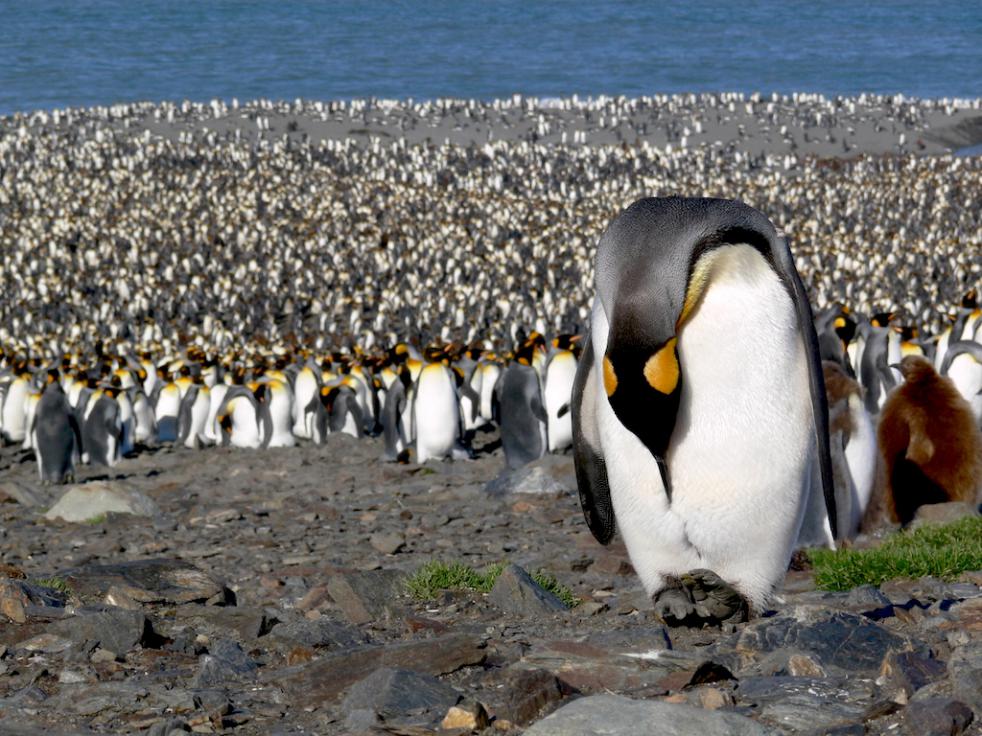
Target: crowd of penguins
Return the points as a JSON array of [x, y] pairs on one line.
[[429, 404]]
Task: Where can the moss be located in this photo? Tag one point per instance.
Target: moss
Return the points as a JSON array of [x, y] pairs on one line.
[[944, 551], [436, 576], [57, 584]]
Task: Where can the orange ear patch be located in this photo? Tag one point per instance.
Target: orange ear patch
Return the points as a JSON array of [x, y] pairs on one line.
[[661, 371], [610, 378]]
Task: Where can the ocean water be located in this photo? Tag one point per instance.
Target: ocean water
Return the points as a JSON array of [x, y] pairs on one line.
[[55, 53]]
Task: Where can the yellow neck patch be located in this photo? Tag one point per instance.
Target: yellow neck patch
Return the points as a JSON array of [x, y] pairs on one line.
[[662, 369], [610, 378]]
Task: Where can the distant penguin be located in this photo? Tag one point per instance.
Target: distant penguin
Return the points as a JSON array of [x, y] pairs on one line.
[[193, 416], [396, 404], [342, 412], [102, 428], [929, 441], [435, 413], [557, 393], [14, 415], [699, 412], [490, 372], [30, 411], [280, 402], [963, 365], [853, 448], [145, 425], [127, 418], [875, 374], [523, 416], [57, 439], [166, 409], [240, 419], [305, 389]]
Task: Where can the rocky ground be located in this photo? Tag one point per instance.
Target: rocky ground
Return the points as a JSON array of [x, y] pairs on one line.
[[263, 593]]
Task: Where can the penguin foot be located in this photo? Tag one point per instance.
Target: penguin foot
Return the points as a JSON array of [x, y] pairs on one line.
[[700, 597]]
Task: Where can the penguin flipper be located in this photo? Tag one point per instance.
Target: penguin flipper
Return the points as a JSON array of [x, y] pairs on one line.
[[591, 469], [816, 381]]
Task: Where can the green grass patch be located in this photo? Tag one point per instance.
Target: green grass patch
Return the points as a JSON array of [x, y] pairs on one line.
[[59, 584], [99, 519], [944, 551], [436, 576]]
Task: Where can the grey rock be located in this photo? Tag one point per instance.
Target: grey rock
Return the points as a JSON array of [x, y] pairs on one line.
[[547, 475], [85, 502], [521, 695], [839, 640], [27, 496], [322, 632], [147, 581], [366, 596], [115, 629], [965, 666], [909, 672], [400, 696], [936, 717], [225, 663], [943, 513], [603, 715], [387, 543], [516, 592], [807, 703], [21, 601]]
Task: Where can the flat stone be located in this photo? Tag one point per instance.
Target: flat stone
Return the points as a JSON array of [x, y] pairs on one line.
[[549, 475], [387, 543], [516, 592], [21, 601], [322, 632], [806, 703], [326, 678], [116, 629], [965, 668], [247, 623], [158, 580], [839, 640], [366, 596], [936, 717], [468, 717], [909, 671], [91, 500], [225, 663], [27, 496], [610, 715], [400, 696]]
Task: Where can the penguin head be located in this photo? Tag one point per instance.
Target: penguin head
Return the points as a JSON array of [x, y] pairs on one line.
[[882, 319], [916, 369]]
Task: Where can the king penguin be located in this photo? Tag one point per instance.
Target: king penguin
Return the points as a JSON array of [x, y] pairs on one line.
[[57, 441], [699, 412], [560, 373], [523, 417]]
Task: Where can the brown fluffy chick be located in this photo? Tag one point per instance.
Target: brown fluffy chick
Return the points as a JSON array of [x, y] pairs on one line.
[[931, 447]]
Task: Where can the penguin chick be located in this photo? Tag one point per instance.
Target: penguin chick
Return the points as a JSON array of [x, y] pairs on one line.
[[931, 448]]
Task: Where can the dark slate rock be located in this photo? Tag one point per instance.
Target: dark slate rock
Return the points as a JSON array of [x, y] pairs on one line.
[[400, 696], [112, 628], [322, 632], [148, 581], [516, 592], [237, 622], [366, 596], [910, 671], [803, 704], [523, 695], [845, 641], [225, 663], [607, 715], [936, 717], [21, 602], [965, 666], [324, 679]]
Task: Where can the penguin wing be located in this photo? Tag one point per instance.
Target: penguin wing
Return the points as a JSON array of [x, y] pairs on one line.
[[591, 469], [784, 265], [184, 415]]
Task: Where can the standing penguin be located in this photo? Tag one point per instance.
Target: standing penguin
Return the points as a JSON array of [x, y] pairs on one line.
[[698, 408], [929, 441], [560, 373], [963, 365], [102, 428], [56, 435], [193, 415], [435, 410], [393, 429], [523, 417], [852, 446]]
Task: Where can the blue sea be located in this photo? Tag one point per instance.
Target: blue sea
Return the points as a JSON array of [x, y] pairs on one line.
[[55, 53]]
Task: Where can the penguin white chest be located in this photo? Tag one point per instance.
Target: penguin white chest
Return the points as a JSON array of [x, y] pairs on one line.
[[558, 390]]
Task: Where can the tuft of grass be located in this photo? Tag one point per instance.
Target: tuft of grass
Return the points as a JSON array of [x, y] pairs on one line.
[[58, 584], [944, 551], [98, 519], [435, 576]]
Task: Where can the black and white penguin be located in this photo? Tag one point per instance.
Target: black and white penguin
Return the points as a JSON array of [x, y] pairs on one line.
[[240, 419], [57, 441], [435, 410], [306, 388], [102, 428], [963, 365], [166, 399], [523, 417], [340, 413], [192, 417], [699, 412], [560, 372], [397, 444]]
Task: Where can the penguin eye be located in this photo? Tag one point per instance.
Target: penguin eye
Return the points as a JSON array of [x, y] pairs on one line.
[[661, 371], [610, 378]]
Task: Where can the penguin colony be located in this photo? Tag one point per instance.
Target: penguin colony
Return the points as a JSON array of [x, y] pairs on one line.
[[172, 275]]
